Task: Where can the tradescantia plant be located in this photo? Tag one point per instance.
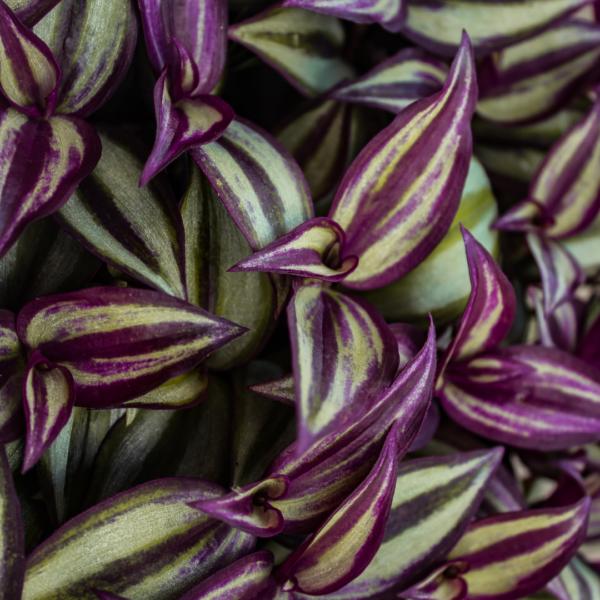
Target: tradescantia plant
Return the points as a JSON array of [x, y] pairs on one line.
[[299, 300]]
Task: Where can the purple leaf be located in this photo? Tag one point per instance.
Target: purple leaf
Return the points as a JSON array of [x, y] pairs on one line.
[[428, 428], [410, 340], [281, 388], [183, 125], [313, 249], [29, 76], [245, 579], [249, 509], [41, 165], [345, 544], [344, 358], [575, 582], [48, 396], [395, 215], [589, 350], [104, 595], [30, 12], [120, 343], [396, 82]]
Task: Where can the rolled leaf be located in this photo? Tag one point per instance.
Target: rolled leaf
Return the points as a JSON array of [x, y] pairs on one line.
[[394, 216], [245, 579], [437, 25], [121, 343], [440, 285], [11, 378], [438, 496], [313, 249], [526, 396], [12, 543], [138, 231], [93, 42], [281, 388], [508, 556], [323, 138], [396, 82], [183, 125], [564, 197], [345, 357], [29, 12], [531, 80], [48, 396], [305, 47], [324, 476], [29, 76], [42, 164], [148, 544], [200, 28], [345, 544], [213, 244], [249, 508], [561, 275]]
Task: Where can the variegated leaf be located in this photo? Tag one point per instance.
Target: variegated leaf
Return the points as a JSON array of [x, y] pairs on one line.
[[280, 388], [12, 367], [138, 231], [576, 582], [393, 215], [213, 244], [29, 12], [93, 42], [437, 24], [121, 343], [41, 165], [149, 544], [396, 82], [305, 47]]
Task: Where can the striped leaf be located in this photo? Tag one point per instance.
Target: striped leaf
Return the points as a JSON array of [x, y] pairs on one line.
[[531, 80], [138, 231], [93, 42], [437, 24], [121, 343], [575, 582], [346, 543], [245, 579], [507, 556], [560, 273], [213, 244], [182, 125], [345, 357], [388, 13], [396, 82], [305, 47], [148, 544], [104, 595], [249, 509], [41, 165], [410, 340], [261, 186], [434, 502], [12, 544], [323, 138], [313, 249], [440, 284], [44, 260], [29, 76], [393, 215], [322, 478], [281, 388], [526, 396], [564, 197], [48, 397], [29, 12], [491, 309]]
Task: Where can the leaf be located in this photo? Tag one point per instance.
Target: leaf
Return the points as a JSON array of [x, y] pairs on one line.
[[410, 340], [41, 165], [393, 215], [29, 12], [280, 388], [313, 249], [437, 25], [344, 356], [148, 543], [305, 47], [138, 231], [531, 80], [48, 396], [412, 297], [93, 42], [29, 76], [575, 582], [396, 82], [120, 343], [213, 244]]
